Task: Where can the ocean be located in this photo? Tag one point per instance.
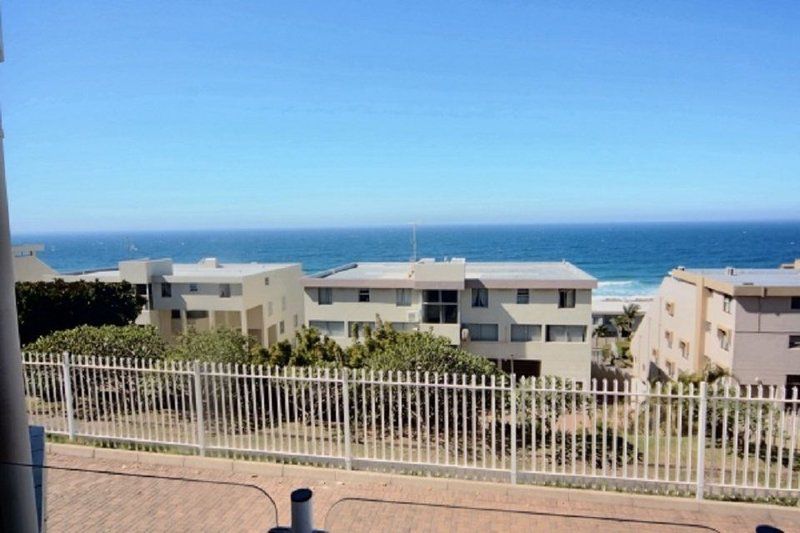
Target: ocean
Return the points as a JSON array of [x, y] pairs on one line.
[[629, 259]]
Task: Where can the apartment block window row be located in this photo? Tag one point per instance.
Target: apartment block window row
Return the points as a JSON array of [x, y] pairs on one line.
[[403, 297], [480, 298], [566, 333], [440, 307], [482, 332], [526, 332], [566, 298], [327, 327]]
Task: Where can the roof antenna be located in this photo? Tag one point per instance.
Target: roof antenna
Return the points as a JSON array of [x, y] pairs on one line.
[[413, 242]]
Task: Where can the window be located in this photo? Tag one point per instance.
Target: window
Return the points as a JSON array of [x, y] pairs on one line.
[[403, 297], [176, 313], [283, 303], [480, 298], [654, 354], [166, 290], [794, 341], [403, 326], [224, 290], [668, 337], [141, 289], [363, 295], [269, 309], [193, 287], [724, 339], [440, 307], [683, 346], [482, 332], [523, 296], [195, 315], [295, 321], [671, 369], [331, 329], [324, 296], [525, 332], [795, 302], [726, 303], [281, 327], [566, 333], [566, 298], [359, 329], [669, 307]]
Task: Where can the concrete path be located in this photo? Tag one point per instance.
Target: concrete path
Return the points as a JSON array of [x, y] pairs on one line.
[[91, 489]]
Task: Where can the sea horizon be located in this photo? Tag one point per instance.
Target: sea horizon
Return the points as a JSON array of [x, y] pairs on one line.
[[628, 259]]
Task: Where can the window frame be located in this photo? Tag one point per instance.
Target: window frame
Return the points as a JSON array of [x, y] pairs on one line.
[[476, 300], [328, 300], [494, 329], [527, 337], [364, 296], [523, 294], [166, 289], [402, 297], [794, 303], [794, 342], [443, 307], [564, 300]]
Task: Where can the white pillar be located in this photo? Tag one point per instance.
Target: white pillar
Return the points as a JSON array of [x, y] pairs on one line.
[[243, 316], [184, 321], [16, 483]]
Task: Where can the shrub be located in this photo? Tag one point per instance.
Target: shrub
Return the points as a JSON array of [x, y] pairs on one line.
[[219, 345], [47, 306], [103, 341]]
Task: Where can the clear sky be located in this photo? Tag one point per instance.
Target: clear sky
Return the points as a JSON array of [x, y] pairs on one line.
[[171, 115]]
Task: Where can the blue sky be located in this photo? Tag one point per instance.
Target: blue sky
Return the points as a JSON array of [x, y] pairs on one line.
[[172, 115]]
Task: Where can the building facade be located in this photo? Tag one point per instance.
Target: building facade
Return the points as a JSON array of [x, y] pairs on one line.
[[27, 266], [263, 300], [744, 320], [534, 318]]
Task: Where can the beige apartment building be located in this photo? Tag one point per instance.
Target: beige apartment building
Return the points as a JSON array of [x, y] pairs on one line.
[[534, 318], [27, 265], [264, 300], [744, 320]]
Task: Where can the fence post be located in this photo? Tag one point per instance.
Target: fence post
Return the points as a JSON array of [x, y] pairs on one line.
[[701, 441], [198, 402], [348, 460], [513, 429], [67, 369]]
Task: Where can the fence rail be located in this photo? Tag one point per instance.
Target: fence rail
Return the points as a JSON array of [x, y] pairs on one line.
[[701, 440]]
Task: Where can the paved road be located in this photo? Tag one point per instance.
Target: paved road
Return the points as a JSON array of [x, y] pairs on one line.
[[131, 496]]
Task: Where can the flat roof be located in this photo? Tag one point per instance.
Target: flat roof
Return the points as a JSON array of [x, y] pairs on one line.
[[189, 271], [476, 274], [745, 281], [759, 277]]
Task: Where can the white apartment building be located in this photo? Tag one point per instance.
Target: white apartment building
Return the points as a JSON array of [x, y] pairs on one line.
[[534, 318], [744, 320], [263, 300]]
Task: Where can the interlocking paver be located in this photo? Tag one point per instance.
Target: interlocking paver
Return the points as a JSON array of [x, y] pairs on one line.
[[124, 498]]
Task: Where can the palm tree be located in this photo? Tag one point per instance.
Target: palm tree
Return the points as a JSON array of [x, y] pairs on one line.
[[624, 322]]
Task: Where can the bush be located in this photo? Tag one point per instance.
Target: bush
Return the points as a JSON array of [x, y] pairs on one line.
[[103, 341], [218, 346], [47, 306]]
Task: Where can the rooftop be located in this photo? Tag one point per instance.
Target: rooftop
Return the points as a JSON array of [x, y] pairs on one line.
[[495, 274], [746, 277]]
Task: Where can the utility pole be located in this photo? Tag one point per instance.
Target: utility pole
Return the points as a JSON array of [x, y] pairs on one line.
[[17, 500]]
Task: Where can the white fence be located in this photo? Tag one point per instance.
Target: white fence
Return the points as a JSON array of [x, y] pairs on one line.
[[701, 440]]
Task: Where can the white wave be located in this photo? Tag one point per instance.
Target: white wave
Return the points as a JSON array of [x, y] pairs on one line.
[[615, 283]]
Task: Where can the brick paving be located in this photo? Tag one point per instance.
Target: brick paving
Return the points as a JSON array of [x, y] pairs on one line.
[[232, 501]]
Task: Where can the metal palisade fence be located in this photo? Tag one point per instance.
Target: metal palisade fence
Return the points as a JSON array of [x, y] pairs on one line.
[[704, 440]]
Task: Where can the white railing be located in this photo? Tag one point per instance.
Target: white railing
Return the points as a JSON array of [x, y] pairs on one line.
[[526, 430]]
